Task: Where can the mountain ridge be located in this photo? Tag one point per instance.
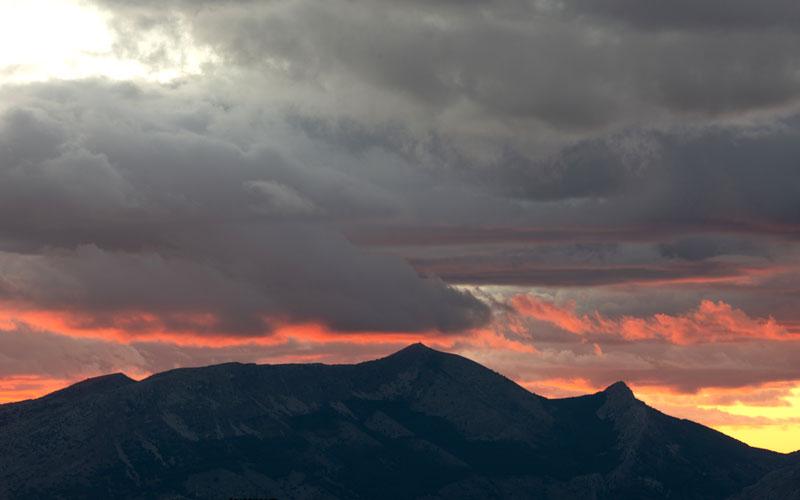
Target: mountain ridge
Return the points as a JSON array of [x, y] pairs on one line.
[[418, 423]]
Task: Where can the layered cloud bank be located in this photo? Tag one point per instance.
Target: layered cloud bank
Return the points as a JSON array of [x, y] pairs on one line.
[[571, 193]]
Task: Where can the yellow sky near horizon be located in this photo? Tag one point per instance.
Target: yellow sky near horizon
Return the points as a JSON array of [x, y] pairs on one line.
[[773, 424], [774, 427]]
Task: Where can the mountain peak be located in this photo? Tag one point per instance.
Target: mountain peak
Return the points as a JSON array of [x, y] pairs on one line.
[[416, 347], [619, 390], [415, 350]]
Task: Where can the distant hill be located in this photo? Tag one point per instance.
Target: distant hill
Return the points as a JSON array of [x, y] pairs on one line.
[[417, 424]]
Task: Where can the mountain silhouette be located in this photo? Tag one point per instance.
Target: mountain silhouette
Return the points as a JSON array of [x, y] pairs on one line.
[[417, 424], [777, 485]]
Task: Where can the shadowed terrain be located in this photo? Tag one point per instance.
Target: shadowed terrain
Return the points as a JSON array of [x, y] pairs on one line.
[[417, 424]]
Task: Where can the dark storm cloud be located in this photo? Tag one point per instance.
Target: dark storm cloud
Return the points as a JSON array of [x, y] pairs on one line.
[[634, 185], [358, 138], [703, 247], [504, 270], [519, 106], [577, 171], [517, 62], [690, 248], [113, 208], [729, 175], [398, 236], [726, 179], [688, 14], [714, 178]]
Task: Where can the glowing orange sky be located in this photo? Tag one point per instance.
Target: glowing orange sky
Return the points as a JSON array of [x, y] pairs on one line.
[[764, 415]]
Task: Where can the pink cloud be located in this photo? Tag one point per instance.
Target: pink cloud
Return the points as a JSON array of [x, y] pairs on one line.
[[709, 322]]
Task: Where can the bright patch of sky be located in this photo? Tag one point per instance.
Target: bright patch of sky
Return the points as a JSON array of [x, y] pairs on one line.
[[68, 39]]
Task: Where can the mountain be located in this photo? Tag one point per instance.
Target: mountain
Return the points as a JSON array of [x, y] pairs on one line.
[[417, 424], [781, 484]]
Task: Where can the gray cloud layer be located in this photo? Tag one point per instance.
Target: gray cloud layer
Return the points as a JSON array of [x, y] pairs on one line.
[[569, 65], [557, 122], [123, 208]]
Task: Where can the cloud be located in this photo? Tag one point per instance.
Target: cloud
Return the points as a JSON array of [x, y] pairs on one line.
[[27, 352], [275, 198], [710, 322], [563, 64], [541, 113], [688, 15], [125, 207], [701, 248], [502, 269]]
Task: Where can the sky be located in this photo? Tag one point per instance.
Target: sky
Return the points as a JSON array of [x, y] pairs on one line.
[[571, 193]]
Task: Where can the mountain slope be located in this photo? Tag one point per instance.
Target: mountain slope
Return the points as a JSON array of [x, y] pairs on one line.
[[782, 484], [419, 423], [664, 457]]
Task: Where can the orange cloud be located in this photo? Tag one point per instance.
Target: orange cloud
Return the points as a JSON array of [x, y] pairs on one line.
[[196, 329], [709, 322]]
